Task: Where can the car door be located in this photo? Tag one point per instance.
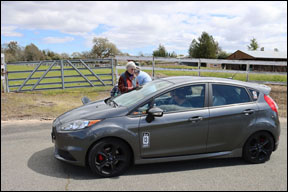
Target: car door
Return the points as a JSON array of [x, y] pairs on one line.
[[181, 130], [232, 112]]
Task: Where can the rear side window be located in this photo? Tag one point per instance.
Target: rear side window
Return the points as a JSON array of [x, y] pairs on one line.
[[227, 94], [254, 94]]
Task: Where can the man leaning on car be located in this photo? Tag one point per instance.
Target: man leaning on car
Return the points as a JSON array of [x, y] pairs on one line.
[[127, 81]]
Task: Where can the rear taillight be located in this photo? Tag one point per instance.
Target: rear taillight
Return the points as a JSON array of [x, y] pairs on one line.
[[271, 103]]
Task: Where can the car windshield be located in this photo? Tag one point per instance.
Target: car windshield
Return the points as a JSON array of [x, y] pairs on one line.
[[131, 98]]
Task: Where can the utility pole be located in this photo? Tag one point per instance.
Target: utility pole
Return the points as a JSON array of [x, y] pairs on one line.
[[153, 71]]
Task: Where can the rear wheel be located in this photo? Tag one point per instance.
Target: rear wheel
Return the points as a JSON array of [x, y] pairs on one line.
[[110, 158], [258, 148]]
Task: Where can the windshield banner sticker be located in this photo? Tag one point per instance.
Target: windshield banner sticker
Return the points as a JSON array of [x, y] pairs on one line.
[[255, 95]]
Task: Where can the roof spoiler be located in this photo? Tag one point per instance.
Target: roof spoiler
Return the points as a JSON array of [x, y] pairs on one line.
[[265, 89]]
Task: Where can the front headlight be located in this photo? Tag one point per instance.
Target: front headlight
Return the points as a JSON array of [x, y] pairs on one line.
[[77, 124]]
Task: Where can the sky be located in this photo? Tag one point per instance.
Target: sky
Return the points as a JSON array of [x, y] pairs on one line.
[[140, 26]]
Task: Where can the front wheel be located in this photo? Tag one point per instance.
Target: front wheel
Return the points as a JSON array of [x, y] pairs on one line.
[[258, 148], [110, 158]]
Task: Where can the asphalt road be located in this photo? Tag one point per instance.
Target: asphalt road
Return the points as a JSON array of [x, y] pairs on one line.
[[27, 163]]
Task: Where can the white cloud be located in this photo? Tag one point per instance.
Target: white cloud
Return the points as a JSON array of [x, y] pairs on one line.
[[141, 24], [55, 40], [9, 31]]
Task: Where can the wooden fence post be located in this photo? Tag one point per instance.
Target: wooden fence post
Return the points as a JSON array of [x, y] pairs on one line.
[[247, 71]]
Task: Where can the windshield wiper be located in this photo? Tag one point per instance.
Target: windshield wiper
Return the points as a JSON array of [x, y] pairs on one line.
[[115, 104]]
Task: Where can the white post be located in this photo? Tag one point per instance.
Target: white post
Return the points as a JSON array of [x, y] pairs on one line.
[[199, 65], [4, 78], [247, 72], [153, 71], [116, 72]]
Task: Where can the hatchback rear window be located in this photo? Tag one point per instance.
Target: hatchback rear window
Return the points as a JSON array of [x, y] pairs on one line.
[[227, 94]]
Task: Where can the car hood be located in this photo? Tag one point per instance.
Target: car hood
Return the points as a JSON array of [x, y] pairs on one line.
[[92, 111]]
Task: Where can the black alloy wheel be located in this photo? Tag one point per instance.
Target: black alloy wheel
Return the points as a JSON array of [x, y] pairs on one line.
[[258, 148], [110, 158]]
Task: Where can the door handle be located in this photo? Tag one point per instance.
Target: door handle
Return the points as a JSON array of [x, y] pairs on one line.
[[195, 119], [248, 112]]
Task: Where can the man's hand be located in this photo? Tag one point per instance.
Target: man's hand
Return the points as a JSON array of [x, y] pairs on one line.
[[137, 88]]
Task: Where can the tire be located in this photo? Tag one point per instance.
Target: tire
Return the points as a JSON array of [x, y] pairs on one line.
[[109, 158], [258, 148]]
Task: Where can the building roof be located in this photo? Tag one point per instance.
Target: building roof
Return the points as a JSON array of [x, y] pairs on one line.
[[266, 54]]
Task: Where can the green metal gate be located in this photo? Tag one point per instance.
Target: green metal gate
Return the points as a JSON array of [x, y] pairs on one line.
[[59, 74]]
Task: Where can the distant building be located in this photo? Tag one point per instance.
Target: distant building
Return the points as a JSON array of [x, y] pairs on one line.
[[258, 56]]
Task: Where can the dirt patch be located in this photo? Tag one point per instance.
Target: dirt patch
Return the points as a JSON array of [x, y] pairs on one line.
[[45, 103], [25, 106], [279, 94]]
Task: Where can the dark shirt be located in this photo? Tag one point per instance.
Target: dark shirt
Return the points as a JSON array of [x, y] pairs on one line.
[[128, 86]]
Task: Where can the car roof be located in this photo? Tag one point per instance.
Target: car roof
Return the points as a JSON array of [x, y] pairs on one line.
[[178, 80]]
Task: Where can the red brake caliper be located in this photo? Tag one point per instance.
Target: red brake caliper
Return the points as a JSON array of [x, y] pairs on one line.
[[100, 157]]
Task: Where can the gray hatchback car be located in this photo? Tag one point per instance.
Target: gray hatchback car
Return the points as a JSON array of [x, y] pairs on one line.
[[170, 119]]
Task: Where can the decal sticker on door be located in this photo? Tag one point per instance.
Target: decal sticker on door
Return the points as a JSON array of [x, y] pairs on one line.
[[146, 140]]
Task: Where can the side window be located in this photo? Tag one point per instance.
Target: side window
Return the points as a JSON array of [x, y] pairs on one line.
[[227, 94], [182, 99], [254, 94]]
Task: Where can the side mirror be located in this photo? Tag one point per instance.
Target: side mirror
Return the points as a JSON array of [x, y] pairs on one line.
[[152, 113], [156, 112], [85, 100]]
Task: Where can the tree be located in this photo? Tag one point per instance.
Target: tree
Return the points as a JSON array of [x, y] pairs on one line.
[[64, 56], [193, 49], [222, 55], [253, 45], [32, 53], [276, 50], [173, 54], [50, 55], [205, 47], [160, 52], [103, 48], [13, 52], [76, 55], [13, 48]]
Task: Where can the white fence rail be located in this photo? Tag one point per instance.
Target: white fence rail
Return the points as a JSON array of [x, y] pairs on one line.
[[248, 63], [201, 60]]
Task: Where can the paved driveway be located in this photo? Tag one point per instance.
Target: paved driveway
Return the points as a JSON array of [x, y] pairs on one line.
[[27, 163]]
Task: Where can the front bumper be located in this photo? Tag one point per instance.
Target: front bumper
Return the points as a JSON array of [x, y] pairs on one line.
[[70, 147]]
